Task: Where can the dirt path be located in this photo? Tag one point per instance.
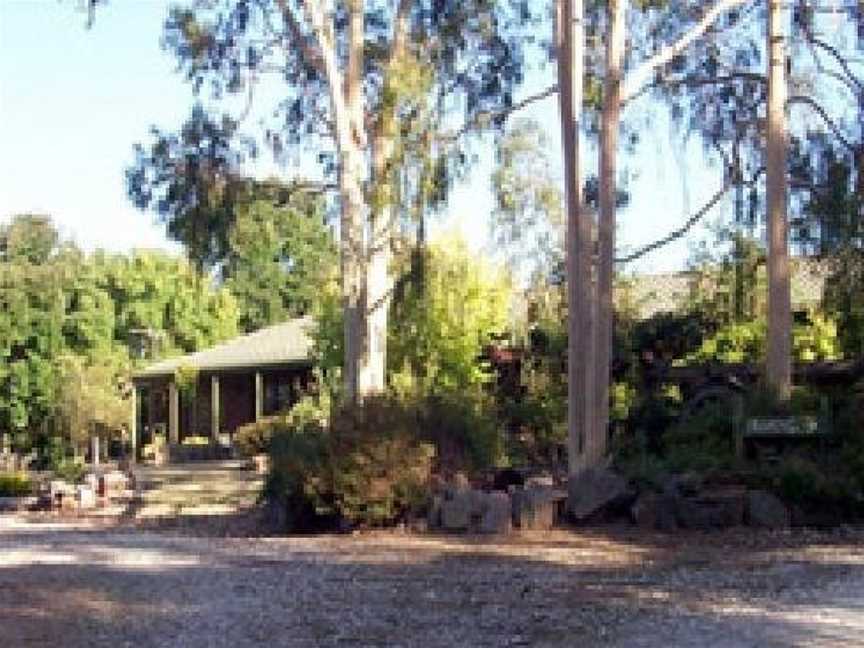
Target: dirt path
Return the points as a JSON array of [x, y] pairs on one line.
[[76, 585]]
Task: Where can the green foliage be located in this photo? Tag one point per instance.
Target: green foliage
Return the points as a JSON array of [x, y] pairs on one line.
[[28, 238], [438, 332], [69, 470], [311, 412], [367, 466], [745, 342], [528, 220], [732, 343], [15, 484], [464, 429], [819, 486], [279, 257], [94, 397], [186, 379], [255, 438], [702, 443], [68, 320]]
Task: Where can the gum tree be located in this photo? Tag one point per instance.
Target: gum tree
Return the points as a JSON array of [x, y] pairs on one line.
[[361, 79]]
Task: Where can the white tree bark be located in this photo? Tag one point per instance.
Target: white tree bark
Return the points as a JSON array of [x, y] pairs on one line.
[[642, 74], [378, 281], [346, 100], [609, 130], [779, 343], [580, 394]]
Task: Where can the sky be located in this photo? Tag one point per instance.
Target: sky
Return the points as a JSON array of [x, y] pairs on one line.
[[73, 102]]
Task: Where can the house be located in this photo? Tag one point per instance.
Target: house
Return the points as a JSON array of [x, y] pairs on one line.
[[214, 391]]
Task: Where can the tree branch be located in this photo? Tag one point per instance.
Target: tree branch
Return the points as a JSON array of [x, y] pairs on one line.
[[639, 76], [698, 81], [311, 57], [819, 110], [690, 222], [835, 54], [342, 119], [483, 119]]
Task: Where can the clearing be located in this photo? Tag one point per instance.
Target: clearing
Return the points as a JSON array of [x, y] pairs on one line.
[[87, 583]]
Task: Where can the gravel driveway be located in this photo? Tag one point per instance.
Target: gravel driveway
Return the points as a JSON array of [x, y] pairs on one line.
[[71, 585]]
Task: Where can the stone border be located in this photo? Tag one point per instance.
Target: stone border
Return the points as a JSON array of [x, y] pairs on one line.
[[15, 504]]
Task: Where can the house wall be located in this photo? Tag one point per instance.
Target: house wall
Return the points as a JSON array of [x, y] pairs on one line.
[[282, 388]]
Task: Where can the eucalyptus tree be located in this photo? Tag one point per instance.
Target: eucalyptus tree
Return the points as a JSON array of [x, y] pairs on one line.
[[359, 80], [679, 27]]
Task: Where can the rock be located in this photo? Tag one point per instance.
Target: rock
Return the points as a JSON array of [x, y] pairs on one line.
[[688, 485], [592, 490], [86, 497], [534, 508], [14, 504], [60, 492], [112, 484], [644, 510], [497, 516], [655, 511], [766, 510], [92, 480], [434, 516], [457, 512], [667, 513], [460, 482]]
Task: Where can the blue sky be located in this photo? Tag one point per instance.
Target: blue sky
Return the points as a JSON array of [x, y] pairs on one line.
[[73, 101]]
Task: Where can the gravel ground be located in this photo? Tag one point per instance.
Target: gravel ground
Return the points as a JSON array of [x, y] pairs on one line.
[[77, 584]]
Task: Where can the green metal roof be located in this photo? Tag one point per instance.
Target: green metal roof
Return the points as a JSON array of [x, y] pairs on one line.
[[286, 343]]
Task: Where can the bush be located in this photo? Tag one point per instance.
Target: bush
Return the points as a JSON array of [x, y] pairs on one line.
[[367, 467], [819, 488], [15, 484], [255, 438], [464, 430], [69, 470]]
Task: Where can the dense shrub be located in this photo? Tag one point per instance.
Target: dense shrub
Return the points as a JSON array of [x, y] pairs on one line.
[[367, 466], [819, 486], [69, 470], [814, 339], [464, 429], [15, 484], [255, 438]]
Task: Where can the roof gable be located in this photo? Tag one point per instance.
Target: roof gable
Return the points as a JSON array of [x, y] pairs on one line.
[[286, 343]]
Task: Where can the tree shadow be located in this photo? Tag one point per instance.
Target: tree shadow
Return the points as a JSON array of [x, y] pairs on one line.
[[584, 587]]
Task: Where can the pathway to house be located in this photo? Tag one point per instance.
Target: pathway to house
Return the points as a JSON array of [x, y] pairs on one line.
[[77, 584]]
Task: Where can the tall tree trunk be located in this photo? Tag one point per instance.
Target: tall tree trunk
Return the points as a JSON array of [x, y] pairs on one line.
[[377, 276], [779, 347], [359, 377], [377, 281], [570, 43], [609, 130]]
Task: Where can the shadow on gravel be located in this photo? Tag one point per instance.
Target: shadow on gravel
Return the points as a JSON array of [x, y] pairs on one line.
[[586, 587]]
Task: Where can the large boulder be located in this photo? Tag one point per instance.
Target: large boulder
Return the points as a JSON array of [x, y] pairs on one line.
[[458, 511], [655, 511], [711, 510], [535, 508], [497, 515], [592, 490], [766, 510]]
